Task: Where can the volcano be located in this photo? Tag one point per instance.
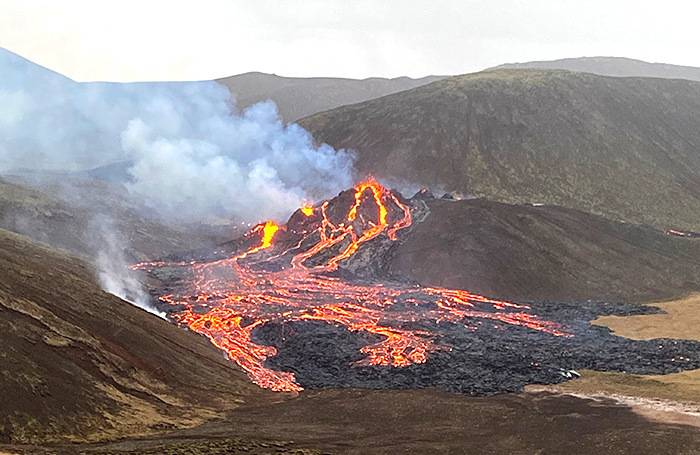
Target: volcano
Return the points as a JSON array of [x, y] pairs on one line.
[[315, 303]]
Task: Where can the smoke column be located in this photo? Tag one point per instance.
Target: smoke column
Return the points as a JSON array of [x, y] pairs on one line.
[[186, 151], [180, 149], [113, 270]]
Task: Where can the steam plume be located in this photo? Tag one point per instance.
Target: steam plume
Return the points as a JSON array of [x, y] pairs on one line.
[[182, 149], [113, 272], [187, 151]]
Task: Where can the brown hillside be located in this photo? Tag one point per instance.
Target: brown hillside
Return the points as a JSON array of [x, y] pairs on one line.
[[80, 364], [523, 252], [626, 148]]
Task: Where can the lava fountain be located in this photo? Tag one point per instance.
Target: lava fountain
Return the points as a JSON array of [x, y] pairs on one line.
[[297, 272]]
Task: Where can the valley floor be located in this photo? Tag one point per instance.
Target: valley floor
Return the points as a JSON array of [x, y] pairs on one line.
[[419, 421], [672, 398]]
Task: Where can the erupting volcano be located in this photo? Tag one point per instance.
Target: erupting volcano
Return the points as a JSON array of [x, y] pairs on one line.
[[301, 271]]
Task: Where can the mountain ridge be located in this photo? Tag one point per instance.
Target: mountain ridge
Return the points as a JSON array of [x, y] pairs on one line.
[[625, 148], [612, 66], [297, 97]]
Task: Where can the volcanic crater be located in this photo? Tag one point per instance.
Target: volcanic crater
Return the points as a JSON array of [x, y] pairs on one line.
[[313, 304]]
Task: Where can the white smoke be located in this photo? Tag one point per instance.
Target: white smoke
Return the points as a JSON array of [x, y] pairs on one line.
[[182, 149], [113, 270], [189, 153]]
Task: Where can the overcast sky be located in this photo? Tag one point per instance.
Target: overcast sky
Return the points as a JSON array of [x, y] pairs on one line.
[[184, 40]]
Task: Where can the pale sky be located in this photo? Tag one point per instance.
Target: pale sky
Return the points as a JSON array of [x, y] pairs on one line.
[[189, 40]]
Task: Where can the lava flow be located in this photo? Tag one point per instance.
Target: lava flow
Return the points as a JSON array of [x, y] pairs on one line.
[[298, 272]]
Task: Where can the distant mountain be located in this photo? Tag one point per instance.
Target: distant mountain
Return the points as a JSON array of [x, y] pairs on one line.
[[613, 66], [626, 148], [298, 97]]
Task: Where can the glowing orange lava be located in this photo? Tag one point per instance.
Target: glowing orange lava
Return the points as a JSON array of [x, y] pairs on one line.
[[269, 231], [289, 274], [307, 209]]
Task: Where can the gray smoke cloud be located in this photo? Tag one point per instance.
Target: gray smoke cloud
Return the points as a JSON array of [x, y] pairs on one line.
[[181, 150], [187, 152]]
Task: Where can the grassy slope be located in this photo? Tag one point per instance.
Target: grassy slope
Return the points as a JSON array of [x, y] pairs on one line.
[[625, 148], [80, 364]]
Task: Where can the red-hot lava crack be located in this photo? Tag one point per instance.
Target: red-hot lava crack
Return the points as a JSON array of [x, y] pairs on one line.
[[288, 274]]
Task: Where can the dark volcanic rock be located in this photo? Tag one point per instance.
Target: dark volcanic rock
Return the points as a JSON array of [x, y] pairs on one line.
[[550, 256], [489, 359]]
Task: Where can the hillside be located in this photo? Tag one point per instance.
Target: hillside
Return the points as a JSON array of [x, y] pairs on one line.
[[80, 364], [612, 66], [626, 148], [77, 217], [522, 252], [297, 97]]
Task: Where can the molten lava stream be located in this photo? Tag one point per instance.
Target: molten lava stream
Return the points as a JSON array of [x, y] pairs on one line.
[[229, 298]]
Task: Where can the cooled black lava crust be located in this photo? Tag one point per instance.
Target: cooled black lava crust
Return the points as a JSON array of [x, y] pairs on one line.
[[490, 359]]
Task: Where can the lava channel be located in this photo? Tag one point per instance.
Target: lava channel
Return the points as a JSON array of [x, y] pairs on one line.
[[291, 273]]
